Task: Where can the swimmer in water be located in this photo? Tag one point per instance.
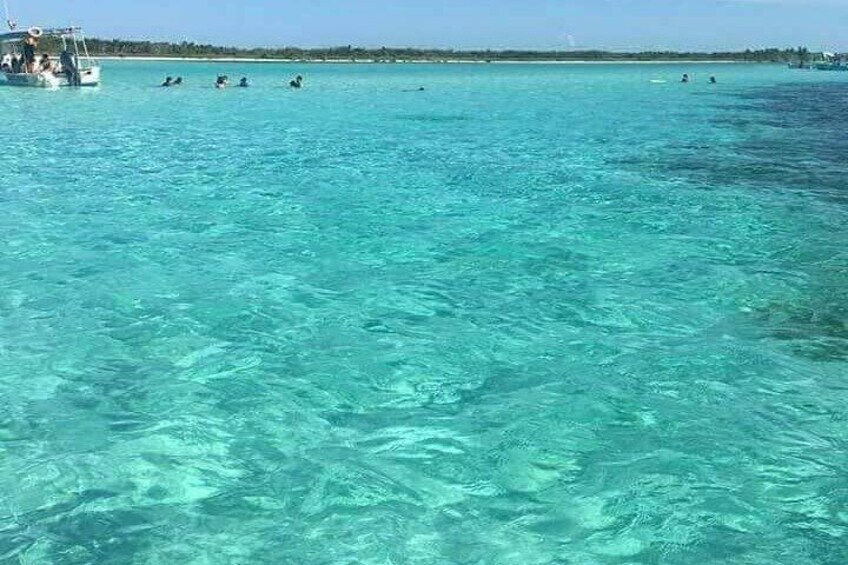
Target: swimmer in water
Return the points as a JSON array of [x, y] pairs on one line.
[[168, 81], [222, 81], [713, 80], [685, 78], [297, 82], [243, 82], [177, 81]]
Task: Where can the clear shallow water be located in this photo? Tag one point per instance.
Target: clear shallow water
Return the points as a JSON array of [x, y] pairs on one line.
[[534, 314]]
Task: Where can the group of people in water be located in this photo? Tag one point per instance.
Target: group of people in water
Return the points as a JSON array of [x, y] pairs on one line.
[[223, 81], [686, 79], [170, 81]]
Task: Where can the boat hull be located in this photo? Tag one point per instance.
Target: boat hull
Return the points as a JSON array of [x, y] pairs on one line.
[[88, 77]]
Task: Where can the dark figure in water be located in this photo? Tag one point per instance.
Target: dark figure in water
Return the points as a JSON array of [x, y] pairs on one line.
[[243, 82], [297, 82], [222, 81], [713, 80], [419, 89], [168, 81], [685, 78], [177, 81]]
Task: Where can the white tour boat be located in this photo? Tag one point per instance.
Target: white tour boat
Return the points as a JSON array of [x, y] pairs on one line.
[[24, 64]]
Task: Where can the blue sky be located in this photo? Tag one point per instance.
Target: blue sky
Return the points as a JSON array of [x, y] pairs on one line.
[[495, 24]]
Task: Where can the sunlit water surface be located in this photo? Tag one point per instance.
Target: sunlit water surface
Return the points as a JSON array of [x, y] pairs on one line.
[[530, 315]]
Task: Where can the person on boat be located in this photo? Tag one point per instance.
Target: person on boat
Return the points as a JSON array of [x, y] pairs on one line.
[[177, 81], [17, 64], [6, 64], [222, 81], [243, 82], [713, 80], [45, 65], [30, 43], [168, 82], [297, 82], [69, 67]]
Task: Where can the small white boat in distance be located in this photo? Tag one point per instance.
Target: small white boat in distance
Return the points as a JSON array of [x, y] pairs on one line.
[[23, 64]]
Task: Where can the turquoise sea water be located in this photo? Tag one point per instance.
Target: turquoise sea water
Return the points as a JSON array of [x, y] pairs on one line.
[[531, 315]]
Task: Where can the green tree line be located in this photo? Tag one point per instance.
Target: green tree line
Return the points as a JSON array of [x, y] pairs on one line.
[[121, 47]]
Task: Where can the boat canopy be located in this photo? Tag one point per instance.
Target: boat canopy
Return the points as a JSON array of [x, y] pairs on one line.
[[15, 36]]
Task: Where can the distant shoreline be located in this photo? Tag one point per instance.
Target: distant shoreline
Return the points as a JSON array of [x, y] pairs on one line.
[[418, 61]]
